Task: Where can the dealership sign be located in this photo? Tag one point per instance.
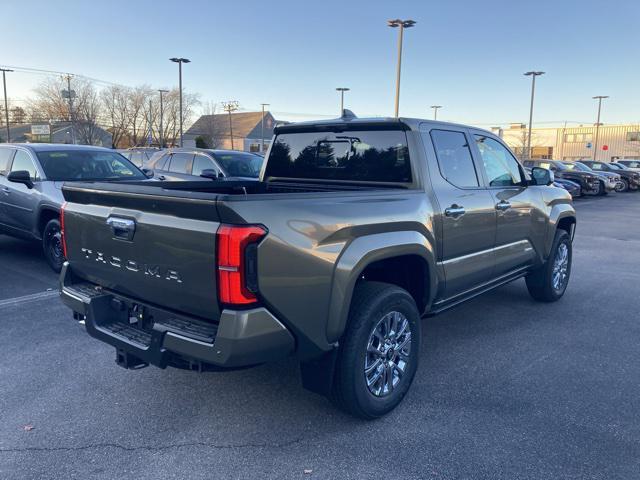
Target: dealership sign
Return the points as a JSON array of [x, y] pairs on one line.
[[41, 129]]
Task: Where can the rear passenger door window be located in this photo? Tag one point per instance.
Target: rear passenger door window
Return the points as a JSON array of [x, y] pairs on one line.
[[23, 161], [202, 162], [454, 158], [501, 167], [5, 160], [181, 162]]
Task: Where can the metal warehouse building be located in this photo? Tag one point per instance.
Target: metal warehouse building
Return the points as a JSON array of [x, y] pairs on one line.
[[573, 143]]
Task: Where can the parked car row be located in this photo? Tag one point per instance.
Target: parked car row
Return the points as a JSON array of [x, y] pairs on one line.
[[31, 178], [589, 177]]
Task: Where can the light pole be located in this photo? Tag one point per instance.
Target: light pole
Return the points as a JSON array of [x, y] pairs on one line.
[[533, 76], [262, 127], [6, 101], [180, 61], [435, 111], [595, 143], [161, 117], [342, 90], [402, 24]]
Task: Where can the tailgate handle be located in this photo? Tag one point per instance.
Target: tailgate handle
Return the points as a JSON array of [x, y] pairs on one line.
[[122, 228]]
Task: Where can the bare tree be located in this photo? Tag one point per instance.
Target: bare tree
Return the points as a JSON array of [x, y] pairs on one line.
[[115, 105], [17, 115], [49, 105], [517, 141]]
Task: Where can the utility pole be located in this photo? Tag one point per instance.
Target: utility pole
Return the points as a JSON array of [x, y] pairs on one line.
[[69, 95], [262, 126], [402, 24], [342, 90], [533, 76], [161, 118], [180, 61], [435, 111], [595, 143], [150, 137], [6, 101], [230, 106]]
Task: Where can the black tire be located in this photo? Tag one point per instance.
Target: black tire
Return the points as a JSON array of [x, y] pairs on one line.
[[372, 302], [623, 186], [540, 282], [52, 245], [603, 189]]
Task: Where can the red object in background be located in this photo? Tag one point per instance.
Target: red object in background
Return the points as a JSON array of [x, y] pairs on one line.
[[605, 147]]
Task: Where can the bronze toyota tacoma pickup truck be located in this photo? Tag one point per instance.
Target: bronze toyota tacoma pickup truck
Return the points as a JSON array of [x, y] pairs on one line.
[[355, 229]]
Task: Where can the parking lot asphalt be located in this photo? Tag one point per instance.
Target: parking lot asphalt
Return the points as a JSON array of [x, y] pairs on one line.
[[507, 389]]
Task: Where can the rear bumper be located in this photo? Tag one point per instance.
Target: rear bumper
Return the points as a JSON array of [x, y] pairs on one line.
[[146, 334]]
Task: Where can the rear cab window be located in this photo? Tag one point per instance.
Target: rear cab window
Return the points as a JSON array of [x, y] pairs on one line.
[[349, 156]]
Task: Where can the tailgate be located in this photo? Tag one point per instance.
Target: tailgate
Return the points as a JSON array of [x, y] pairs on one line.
[[155, 248]]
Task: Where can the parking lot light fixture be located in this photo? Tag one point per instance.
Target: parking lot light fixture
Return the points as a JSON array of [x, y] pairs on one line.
[[342, 90], [533, 75], [595, 143], [435, 111], [180, 61], [6, 101], [401, 24]]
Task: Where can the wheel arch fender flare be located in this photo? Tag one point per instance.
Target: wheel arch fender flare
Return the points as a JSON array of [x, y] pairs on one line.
[[362, 252], [561, 213], [45, 211]]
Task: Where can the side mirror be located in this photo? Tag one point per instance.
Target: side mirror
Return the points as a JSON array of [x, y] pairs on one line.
[[542, 176], [211, 173], [148, 172], [21, 176]]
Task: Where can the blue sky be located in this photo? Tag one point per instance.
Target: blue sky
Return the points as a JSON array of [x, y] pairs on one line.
[[468, 56]]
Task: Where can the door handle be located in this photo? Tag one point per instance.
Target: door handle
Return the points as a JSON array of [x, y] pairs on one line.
[[503, 206], [454, 211], [6, 190]]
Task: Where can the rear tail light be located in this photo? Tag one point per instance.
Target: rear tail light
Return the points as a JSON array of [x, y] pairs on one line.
[[237, 263], [63, 238]]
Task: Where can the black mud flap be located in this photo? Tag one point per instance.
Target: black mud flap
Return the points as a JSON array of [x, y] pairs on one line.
[[317, 374]]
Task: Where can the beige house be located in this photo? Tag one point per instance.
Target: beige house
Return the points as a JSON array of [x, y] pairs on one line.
[[574, 143], [215, 131]]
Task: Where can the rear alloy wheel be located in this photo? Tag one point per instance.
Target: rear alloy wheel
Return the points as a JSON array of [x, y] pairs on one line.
[[378, 354], [52, 245], [622, 185]]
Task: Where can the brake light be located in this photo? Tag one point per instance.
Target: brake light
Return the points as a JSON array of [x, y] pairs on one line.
[[237, 263], [63, 239]]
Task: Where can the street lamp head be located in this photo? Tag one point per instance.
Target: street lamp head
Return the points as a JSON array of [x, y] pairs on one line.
[[534, 73], [397, 22], [342, 89], [600, 96], [163, 91], [180, 60], [436, 106]]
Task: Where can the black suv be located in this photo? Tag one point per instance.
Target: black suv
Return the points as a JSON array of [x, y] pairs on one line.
[[588, 181], [629, 178]]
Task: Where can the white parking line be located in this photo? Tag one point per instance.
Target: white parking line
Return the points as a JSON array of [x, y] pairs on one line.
[[28, 298]]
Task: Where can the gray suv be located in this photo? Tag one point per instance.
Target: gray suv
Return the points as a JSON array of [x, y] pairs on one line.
[[31, 178], [187, 163]]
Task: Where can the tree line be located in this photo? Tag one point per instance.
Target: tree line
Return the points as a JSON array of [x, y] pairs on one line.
[[130, 114]]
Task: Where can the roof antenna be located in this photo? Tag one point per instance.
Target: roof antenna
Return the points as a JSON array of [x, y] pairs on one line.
[[348, 114]]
